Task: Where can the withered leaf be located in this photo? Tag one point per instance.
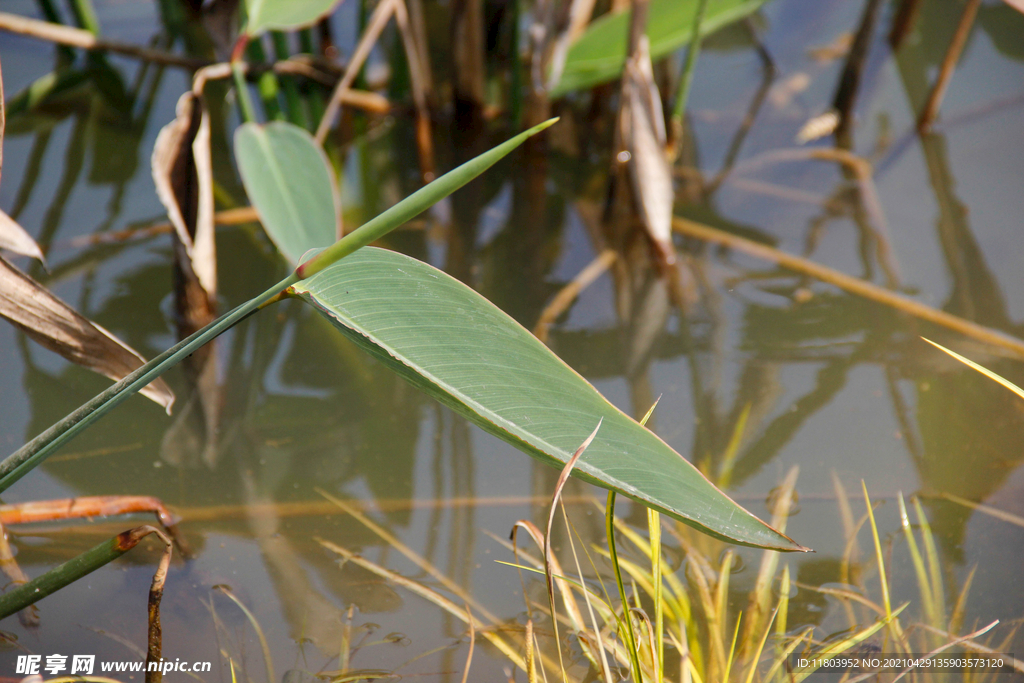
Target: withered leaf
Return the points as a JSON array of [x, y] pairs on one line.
[[183, 175], [14, 238], [56, 326], [642, 129]]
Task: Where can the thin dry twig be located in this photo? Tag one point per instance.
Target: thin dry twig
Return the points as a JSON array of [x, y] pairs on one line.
[[86, 40], [409, 553], [956, 46], [549, 566], [981, 507], [154, 638], [378, 20], [36, 511], [472, 644], [560, 303], [934, 652], [852, 285], [361, 99], [237, 216], [426, 593], [419, 83], [864, 173], [1017, 664]]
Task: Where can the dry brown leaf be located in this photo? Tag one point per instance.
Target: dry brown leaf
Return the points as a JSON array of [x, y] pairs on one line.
[[56, 326], [14, 238], [642, 128], [182, 172]]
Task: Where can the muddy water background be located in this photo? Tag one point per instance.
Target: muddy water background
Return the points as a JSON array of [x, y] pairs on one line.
[[835, 384]]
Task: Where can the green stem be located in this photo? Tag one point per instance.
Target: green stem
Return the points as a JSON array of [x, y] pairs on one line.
[[683, 92], [314, 97], [295, 113], [244, 100], [85, 16], [627, 626], [266, 84], [35, 590], [18, 464]]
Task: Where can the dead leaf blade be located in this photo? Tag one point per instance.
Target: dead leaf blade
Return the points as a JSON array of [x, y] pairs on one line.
[[14, 238], [58, 327], [183, 177], [643, 138]]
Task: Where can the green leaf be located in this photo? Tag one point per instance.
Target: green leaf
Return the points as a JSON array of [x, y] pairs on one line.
[[284, 15], [599, 54], [451, 342], [290, 182], [22, 461]]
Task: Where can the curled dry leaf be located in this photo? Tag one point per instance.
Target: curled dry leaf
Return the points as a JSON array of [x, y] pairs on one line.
[[642, 131], [14, 238], [56, 326], [182, 172]]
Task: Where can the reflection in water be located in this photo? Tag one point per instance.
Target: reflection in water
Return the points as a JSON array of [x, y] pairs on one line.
[[759, 368]]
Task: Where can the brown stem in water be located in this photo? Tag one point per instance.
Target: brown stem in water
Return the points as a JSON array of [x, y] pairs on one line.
[[852, 285], [378, 20], [93, 506], [903, 22], [849, 81], [86, 40], [956, 46], [568, 294], [154, 640]]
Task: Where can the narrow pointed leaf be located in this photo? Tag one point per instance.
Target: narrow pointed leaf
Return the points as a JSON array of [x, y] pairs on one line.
[[600, 53], [290, 182], [451, 342], [29, 456], [284, 15]]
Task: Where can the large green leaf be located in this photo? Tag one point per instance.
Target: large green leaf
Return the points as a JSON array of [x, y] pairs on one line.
[[599, 54], [290, 182], [284, 15], [451, 342]]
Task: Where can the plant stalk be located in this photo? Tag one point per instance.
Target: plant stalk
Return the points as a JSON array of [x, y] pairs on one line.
[[35, 590], [18, 464], [627, 624], [683, 91], [244, 99]]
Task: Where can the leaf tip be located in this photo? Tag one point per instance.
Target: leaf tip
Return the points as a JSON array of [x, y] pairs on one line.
[[545, 125]]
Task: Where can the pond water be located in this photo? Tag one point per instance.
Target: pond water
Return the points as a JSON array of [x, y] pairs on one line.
[[839, 386]]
